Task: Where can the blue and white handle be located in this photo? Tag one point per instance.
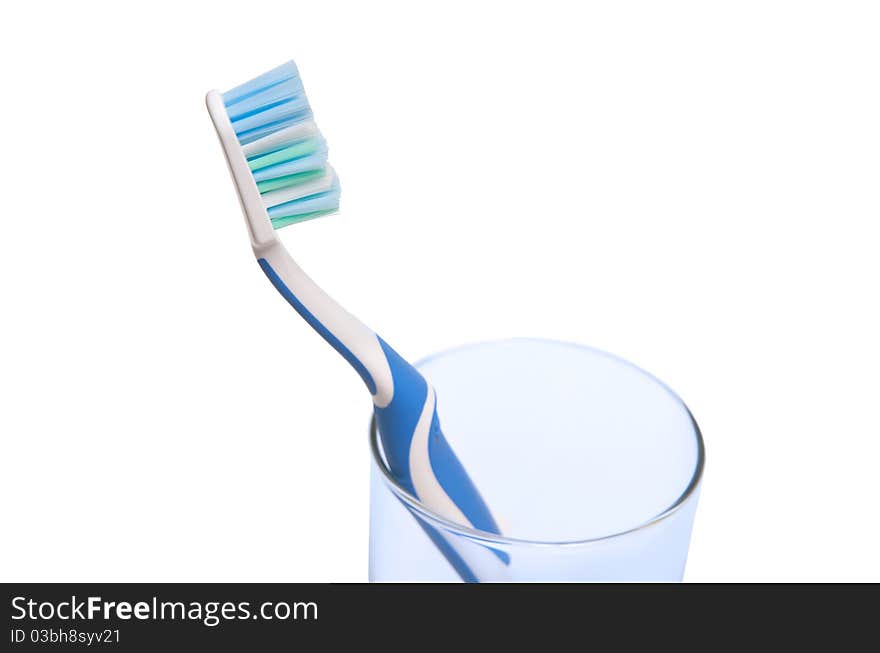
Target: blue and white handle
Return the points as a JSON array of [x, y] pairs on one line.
[[406, 413], [405, 404]]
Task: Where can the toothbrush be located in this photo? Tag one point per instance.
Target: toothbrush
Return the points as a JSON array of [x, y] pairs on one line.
[[278, 161]]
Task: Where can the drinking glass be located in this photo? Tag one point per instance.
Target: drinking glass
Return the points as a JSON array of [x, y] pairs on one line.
[[590, 465]]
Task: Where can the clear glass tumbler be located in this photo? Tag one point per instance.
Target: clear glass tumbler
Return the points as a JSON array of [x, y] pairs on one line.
[[591, 466]]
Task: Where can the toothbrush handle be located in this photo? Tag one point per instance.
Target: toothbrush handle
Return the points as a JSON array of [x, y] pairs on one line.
[[405, 404]]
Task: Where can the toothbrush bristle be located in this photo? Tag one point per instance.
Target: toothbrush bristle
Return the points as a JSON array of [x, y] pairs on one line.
[[284, 149]]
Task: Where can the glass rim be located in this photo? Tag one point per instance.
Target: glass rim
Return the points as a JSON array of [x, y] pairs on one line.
[[488, 537]]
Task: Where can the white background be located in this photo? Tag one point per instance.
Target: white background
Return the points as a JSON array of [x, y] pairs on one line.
[[691, 185]]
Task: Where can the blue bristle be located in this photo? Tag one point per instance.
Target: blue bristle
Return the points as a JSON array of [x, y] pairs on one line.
[[270, 120], [270, 102], [284, 72], [267, 98]]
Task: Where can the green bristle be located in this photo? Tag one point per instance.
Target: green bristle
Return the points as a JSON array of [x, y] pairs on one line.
[[289, 180], [294, 151], [277, 223]]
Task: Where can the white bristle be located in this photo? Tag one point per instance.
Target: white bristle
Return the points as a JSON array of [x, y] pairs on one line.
[[280, 138]]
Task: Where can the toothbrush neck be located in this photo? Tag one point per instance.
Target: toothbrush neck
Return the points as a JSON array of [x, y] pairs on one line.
[[342, 330]]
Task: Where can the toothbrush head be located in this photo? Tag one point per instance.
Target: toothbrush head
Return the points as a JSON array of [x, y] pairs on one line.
[[275, 152]]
